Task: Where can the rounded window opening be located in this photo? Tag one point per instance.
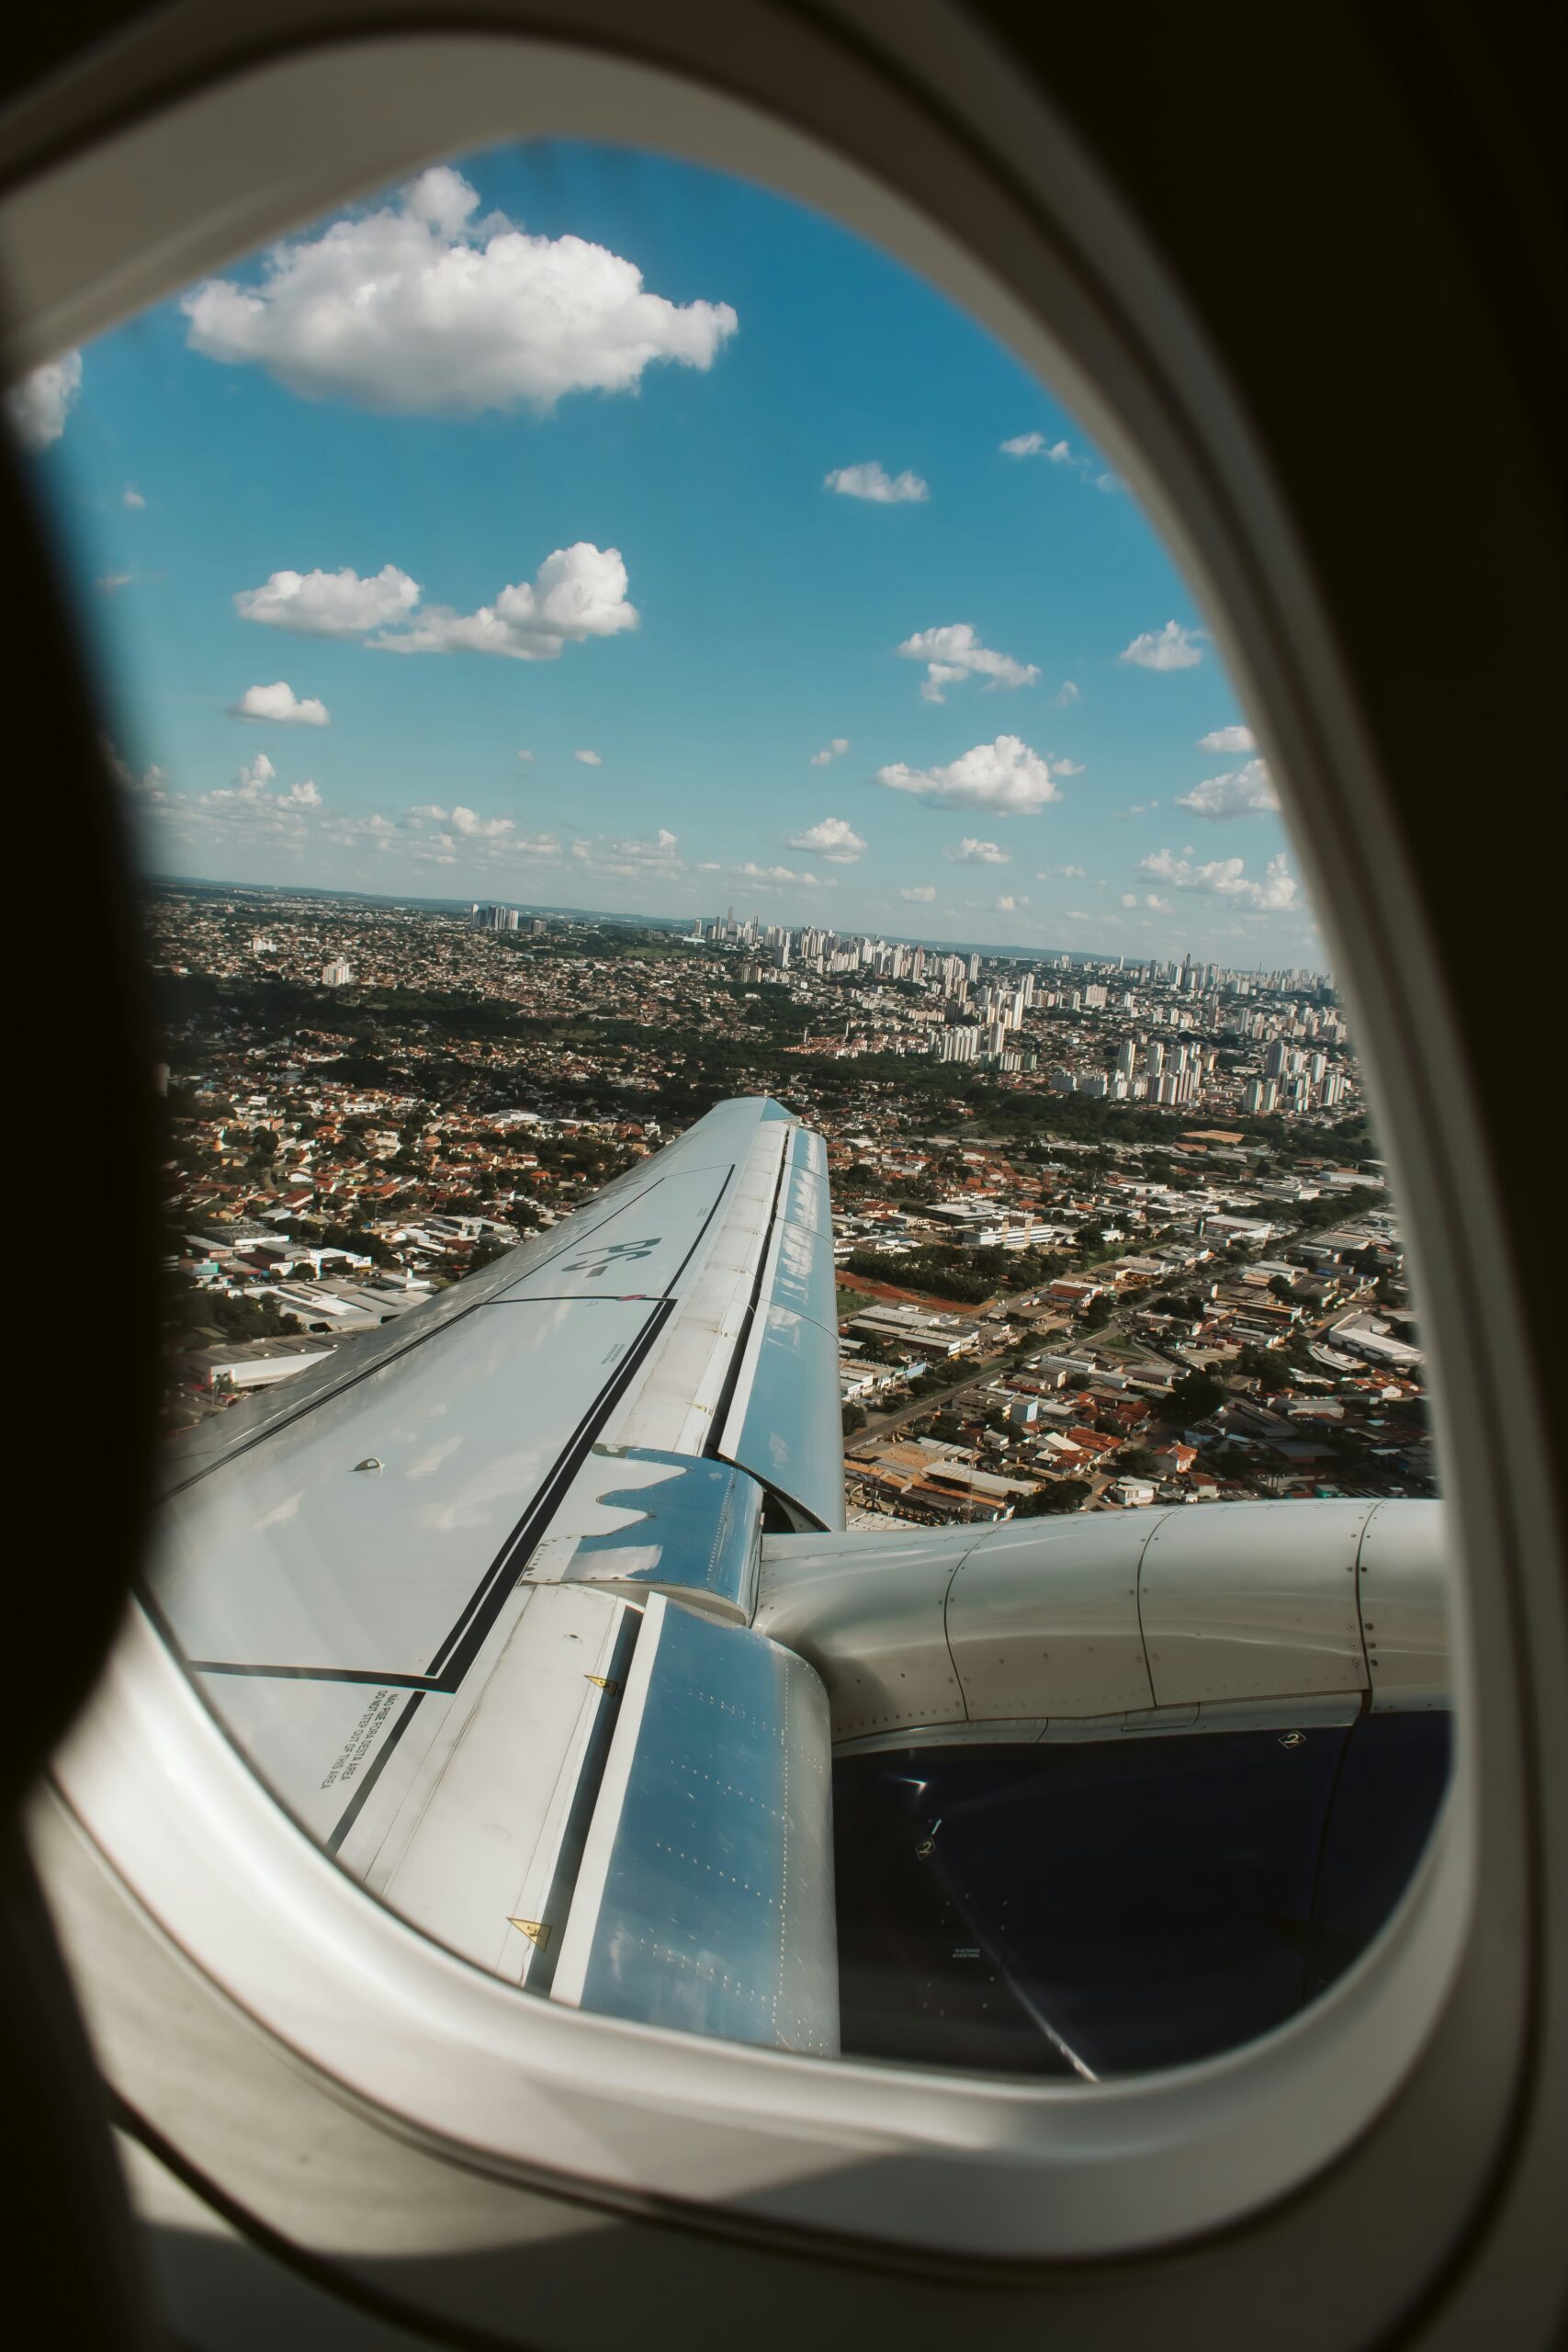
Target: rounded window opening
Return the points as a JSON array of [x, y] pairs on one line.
[[792, 1404]]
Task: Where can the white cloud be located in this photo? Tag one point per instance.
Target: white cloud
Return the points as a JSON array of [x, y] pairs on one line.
[[250, 802], [1062, 874], [1005, 776], [39, 405], [149, 785], [630, 859], [1170, 647], [281, 704], [348, 832], [526, 756], [111, 582], [576, 592], [1243, 792], [973, 853], [833, 750], [1067, 767], [773, 876], [1010, 906], [131, 496], [1128, 897], [1065, 695], [1227, 739], [832, 839], [955, 653], [419, 307], [471, 827], [1225, 877], [588, 759], [1034, 445], [919, 895], [330, 604], [874, 483]]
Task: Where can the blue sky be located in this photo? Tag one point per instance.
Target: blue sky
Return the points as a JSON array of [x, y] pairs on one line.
[[749, 505]]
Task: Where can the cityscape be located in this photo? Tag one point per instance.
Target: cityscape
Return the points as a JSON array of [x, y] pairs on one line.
[[1108, 1232]]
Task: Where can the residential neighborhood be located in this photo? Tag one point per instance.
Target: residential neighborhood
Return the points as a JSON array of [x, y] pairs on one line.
[[1050, 1297]]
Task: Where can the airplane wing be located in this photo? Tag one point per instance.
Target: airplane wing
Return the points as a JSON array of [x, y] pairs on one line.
[[536, 1608], [473, 1595]]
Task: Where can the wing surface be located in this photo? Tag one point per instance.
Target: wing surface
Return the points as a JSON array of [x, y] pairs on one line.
[[415, 1585]]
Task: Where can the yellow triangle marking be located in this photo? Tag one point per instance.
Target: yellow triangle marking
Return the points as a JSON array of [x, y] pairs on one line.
[[536, 1930], [603, 1682]]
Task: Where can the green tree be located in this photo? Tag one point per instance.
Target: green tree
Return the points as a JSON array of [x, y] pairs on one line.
[[1063, 1494], [1195, 1396]]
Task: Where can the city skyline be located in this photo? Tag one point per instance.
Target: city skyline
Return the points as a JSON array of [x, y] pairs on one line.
[[731, 565]]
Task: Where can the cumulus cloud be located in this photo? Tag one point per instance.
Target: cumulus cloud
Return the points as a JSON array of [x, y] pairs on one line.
[[833, 750], [655, 856], [469, 825], [576, 592], [773, 876], [40, 403], [1010, 906], [1006, 776], [375, 831], [417, 307], [149, 785], [919, 894], [250, 802], [874, 483], [131, 496], [1062, 874], [1227, 739], [525, 756], [1034, 445], [281, 704], [973, 853], [1170, 647], [330, 604], [1225, 877], [832, 839], [1242, 792], [1065, 695], [953, 653], [588, 759], [111, 582]]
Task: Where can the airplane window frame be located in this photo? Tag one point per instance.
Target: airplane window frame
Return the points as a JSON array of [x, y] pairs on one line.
[[1063, 2173]]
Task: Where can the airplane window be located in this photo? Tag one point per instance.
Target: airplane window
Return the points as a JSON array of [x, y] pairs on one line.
[[792, 1404]]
